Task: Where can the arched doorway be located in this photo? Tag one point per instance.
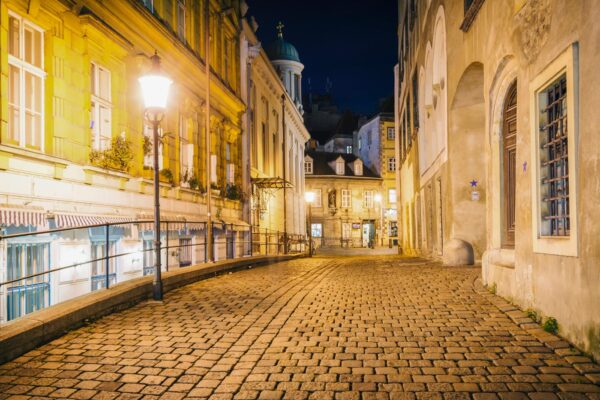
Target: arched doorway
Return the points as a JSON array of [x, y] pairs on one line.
[[509, 166]]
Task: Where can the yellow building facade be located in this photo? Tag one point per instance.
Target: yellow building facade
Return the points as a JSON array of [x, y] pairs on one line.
[[75, 148]]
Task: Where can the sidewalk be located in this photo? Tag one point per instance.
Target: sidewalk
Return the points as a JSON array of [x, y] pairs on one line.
[[355, 251]]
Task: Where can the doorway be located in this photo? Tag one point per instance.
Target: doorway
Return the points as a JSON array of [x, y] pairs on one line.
[[368, 233]]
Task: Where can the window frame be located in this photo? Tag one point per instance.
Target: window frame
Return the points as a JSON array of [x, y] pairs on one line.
[[97, 103], [391, 130], [346, 198], [391, 164], [340, 167], [565, 64], [318, 198], [24, 67], [308, 167], [368, 199]]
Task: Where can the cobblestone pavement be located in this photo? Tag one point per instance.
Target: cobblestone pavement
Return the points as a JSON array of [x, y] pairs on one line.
[[322, 328]]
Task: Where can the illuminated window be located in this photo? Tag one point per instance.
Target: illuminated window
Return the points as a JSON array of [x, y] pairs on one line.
[[368, 199], [318, 198], [358, 168], [25, 83], [391, 133], [308, 167], [339, 167], [101, 110], [392, 196], [346, 198], [316, 230], [348, 149], [186, 150]]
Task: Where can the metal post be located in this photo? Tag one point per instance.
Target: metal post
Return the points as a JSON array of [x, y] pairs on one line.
[[167, 247], [310, 238], [157, 289], [267, 242], [207, 38], [205, 248], [106, 254], [285, 151]]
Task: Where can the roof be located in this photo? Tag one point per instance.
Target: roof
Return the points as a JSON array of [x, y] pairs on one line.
[[282, 50], [321, 160]]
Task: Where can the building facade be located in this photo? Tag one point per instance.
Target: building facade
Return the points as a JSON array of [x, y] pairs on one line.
[[276, 135], [374, 143], [495, 134], [346, 211], [75, 148]]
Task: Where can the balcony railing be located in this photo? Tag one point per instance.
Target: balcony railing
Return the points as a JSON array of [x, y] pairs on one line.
[[41, 269]]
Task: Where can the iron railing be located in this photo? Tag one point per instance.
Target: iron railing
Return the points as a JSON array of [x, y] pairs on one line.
[[41, 269]]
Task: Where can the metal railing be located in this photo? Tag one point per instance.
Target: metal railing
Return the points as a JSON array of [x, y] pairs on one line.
[[41, 269]]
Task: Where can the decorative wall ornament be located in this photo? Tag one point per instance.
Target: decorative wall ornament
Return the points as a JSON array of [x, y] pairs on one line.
[[533, 26]]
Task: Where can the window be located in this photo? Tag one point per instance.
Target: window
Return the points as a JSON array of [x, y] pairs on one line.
[[348, 149], [415, 105], [358, 168], [346, 198], [149, 257], [308, 167], [185, 252], [149, 148], [99, 264], [391, 133], [316, 230], [213, 168], [346, 230], [339, 167], [554, 159], [318, 198], [230, 173], [25, 83], [359, 143], [101, 110], [28, 295], [392, 164], [181, 19], [149, 4], [554, 179], [509, 165], [186, 150], [392, 196], [368, 199]]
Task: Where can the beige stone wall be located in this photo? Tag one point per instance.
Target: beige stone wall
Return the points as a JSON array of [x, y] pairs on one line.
[[357, 213], [511, 40]]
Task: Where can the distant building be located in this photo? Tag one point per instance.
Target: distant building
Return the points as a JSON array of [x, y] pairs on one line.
[[346, 212], [374, 143]]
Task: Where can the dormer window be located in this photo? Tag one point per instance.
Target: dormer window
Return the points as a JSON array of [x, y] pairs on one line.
[[339, 166], [358, 168], [308, 166]]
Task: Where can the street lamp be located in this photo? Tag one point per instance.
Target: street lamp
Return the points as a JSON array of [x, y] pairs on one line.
[[379, 201], [155, 91], [309, 197]]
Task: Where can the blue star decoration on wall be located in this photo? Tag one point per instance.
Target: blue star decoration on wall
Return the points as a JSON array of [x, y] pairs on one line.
[[474, 183]]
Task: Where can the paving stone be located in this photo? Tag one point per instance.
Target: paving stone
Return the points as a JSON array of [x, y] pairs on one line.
[[320, 328]]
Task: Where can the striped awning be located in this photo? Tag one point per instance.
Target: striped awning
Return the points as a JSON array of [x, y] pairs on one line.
[[175, 222], [73, 220], [23, 217]]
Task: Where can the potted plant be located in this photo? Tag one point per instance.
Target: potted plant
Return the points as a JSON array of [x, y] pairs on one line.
[[215, 189]]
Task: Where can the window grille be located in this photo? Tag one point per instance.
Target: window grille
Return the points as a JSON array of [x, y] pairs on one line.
[[554, 160]]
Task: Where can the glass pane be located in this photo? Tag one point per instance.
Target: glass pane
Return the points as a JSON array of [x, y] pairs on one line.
[[14, 96], [104, 83], [37, 49], [93, 79], [13, 37], [28, 45]]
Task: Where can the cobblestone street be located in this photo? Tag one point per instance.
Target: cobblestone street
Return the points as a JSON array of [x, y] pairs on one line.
[[323, 328]]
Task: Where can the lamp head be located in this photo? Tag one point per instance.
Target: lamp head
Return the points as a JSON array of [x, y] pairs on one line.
[[309, 197], [155, 87]]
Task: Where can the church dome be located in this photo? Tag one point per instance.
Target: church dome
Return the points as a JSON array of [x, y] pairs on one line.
[[282, 50]]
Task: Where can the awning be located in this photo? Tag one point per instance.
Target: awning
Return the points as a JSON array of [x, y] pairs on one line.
[[271, 183], [175, 222], [232, 224], [23, 217], [75, 220]]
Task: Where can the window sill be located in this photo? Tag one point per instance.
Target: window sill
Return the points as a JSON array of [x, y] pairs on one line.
[[33, 154]]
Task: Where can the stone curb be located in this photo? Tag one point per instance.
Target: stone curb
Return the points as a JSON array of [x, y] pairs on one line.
[[25, 334]]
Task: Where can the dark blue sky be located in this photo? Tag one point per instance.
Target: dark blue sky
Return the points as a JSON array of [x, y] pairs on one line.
[[353, 42]]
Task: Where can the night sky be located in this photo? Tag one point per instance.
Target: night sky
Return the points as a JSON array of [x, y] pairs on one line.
[[353, 42]]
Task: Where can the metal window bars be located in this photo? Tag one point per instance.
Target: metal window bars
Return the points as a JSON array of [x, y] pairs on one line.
[[555, 145], [122, 252]]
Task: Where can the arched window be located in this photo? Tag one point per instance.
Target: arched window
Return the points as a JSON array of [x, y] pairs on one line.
[[509, 165]]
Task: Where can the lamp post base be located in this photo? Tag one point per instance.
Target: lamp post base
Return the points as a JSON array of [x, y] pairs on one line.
[[157, 291]]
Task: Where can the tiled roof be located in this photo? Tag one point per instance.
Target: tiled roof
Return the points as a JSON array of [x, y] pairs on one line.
[[322, 159]]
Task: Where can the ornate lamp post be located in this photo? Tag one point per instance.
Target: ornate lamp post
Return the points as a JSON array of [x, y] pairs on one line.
[[155, 91], [379, 201], [309, 197]]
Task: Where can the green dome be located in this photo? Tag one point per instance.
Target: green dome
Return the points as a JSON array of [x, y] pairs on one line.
[[282, 50]]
